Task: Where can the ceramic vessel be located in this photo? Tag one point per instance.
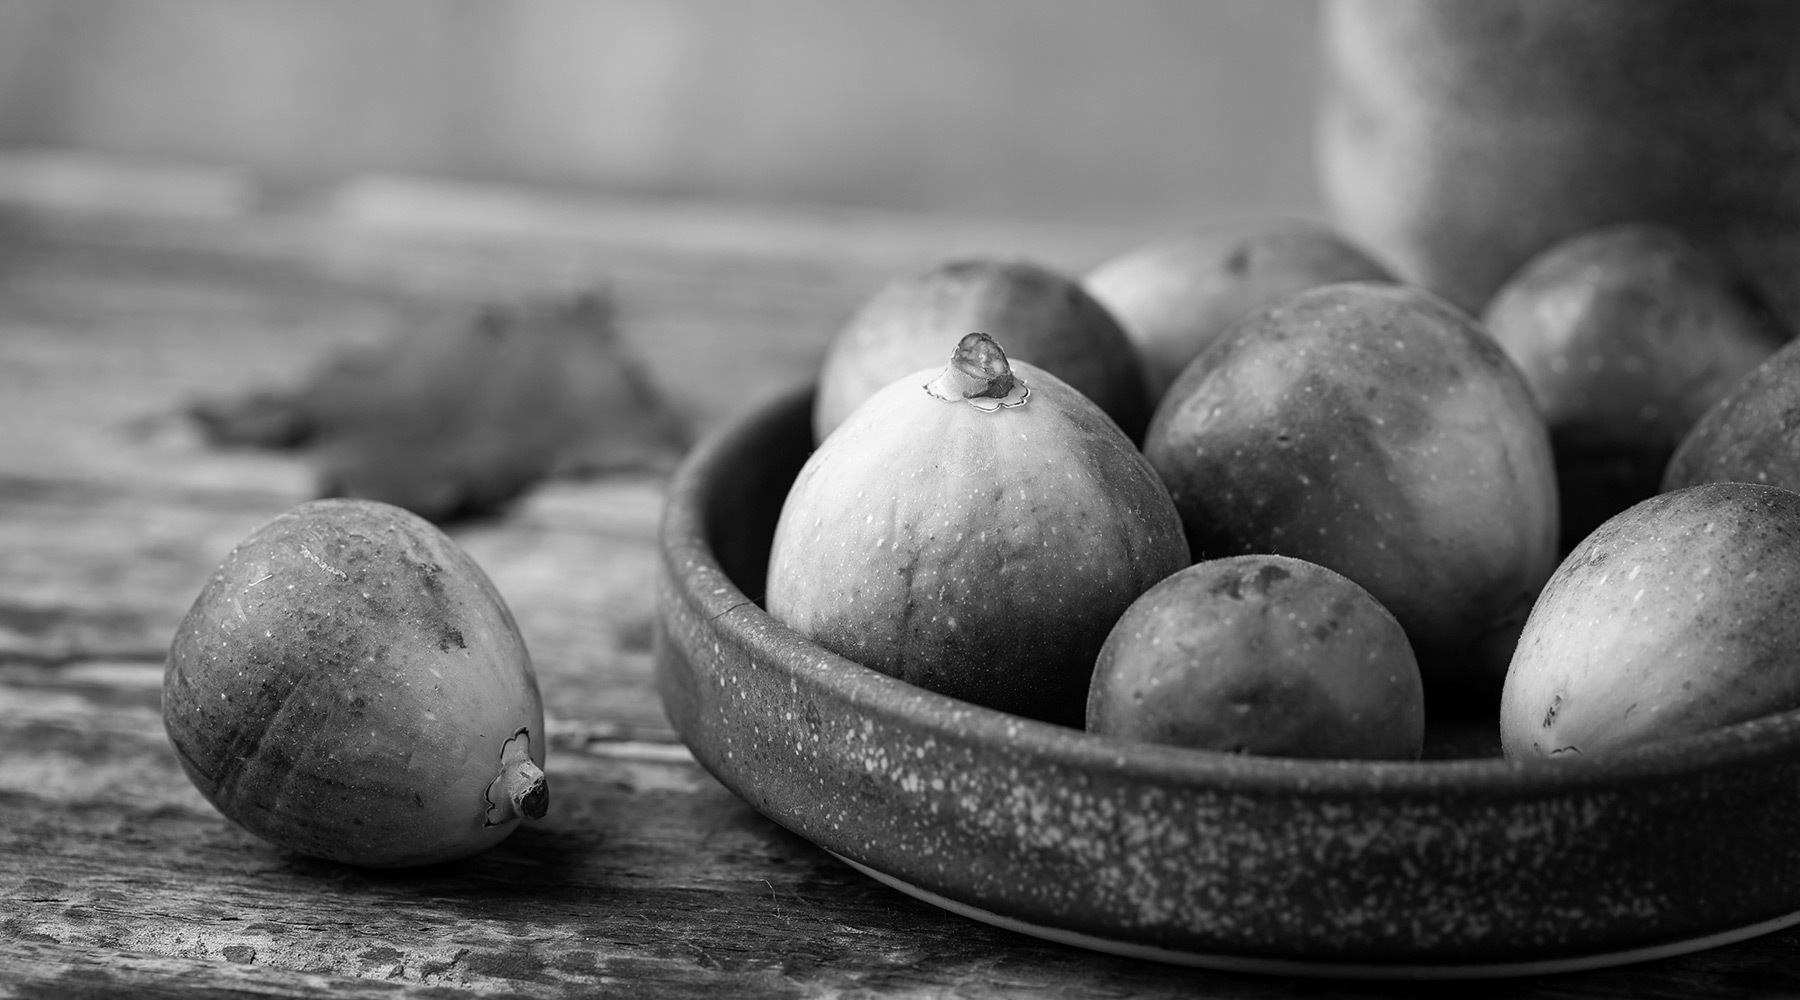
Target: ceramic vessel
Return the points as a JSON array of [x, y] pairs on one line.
[[1458, 137], [1465, 866]]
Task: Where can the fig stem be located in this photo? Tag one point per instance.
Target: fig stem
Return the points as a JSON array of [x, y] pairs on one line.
[[520, 790], [978, 372]]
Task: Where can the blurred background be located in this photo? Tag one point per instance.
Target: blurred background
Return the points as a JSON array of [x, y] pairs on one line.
[[1152, 113]]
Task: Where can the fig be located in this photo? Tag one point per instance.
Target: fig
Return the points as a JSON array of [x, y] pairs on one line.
[[1043, 317], [349, 685], [1376, 430], [1750, 435], [1261, 654], [976, 531], [1677, 615], [1626, 336], [1176, 297]]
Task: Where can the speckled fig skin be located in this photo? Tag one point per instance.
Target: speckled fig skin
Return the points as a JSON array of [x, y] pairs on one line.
[[346, 684], [1174, 298], [982, 555], [1039, 315], [1751, 435], [1626, 335], [1679, 615], [1376, 430], [1261, 654]]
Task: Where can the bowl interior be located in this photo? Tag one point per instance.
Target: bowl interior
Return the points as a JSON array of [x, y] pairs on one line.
[[747, 488]]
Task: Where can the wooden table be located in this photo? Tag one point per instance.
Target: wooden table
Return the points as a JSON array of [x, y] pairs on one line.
[[129, 290]]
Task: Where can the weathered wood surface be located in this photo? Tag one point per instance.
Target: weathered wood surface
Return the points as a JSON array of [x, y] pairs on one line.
[[124, 293]]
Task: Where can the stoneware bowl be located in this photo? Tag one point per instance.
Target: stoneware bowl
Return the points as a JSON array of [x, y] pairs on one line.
[[1466, 866]]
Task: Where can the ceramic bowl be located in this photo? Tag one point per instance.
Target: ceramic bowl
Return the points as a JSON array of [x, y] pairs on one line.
[[1443, 867]]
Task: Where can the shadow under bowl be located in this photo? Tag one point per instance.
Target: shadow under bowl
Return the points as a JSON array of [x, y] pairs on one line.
[[1473, 866]]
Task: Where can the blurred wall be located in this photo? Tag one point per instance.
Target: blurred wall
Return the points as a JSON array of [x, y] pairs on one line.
[[1134, 111]]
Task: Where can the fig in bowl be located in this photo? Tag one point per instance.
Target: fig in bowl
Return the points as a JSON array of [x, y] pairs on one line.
[[1626, 335], [1677, 616], [1043, 318], [1175, 297], [1376, 430], [1750, 435], [1262, 655], [974, 529]]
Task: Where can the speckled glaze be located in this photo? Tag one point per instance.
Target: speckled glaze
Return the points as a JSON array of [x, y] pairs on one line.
[[1440, 865]]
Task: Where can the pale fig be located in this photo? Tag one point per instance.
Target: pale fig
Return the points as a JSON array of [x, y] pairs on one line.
[[974, 529]]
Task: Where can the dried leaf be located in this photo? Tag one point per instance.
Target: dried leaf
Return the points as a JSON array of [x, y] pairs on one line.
[[454, 423]]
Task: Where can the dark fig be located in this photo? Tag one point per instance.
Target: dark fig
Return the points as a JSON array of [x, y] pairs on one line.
[[1041, 316], [1176, 297], [1626, 336], [1376, 430], [1261, 655]]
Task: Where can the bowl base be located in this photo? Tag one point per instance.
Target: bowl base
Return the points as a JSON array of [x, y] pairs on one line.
[[1326, 969]]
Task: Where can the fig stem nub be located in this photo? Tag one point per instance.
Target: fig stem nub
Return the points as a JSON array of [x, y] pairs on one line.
[[978, 373], [520, 790]]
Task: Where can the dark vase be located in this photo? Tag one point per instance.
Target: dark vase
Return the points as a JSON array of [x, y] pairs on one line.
[[1459, 137]]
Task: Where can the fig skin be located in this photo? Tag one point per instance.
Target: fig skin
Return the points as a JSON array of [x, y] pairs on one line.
[[345, 686], [982, 555], [1376, 430], [1678, 615], [1626, 335], [1750, 435], [1039, 315], [1174, 298], [1261, 654]]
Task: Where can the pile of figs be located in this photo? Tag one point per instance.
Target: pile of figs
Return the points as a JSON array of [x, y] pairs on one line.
[[1248, 492]]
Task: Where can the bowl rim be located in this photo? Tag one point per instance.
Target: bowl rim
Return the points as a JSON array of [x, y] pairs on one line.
[[702, 582]]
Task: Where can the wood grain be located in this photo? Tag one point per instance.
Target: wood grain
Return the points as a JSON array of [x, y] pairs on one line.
[[648, 878]]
